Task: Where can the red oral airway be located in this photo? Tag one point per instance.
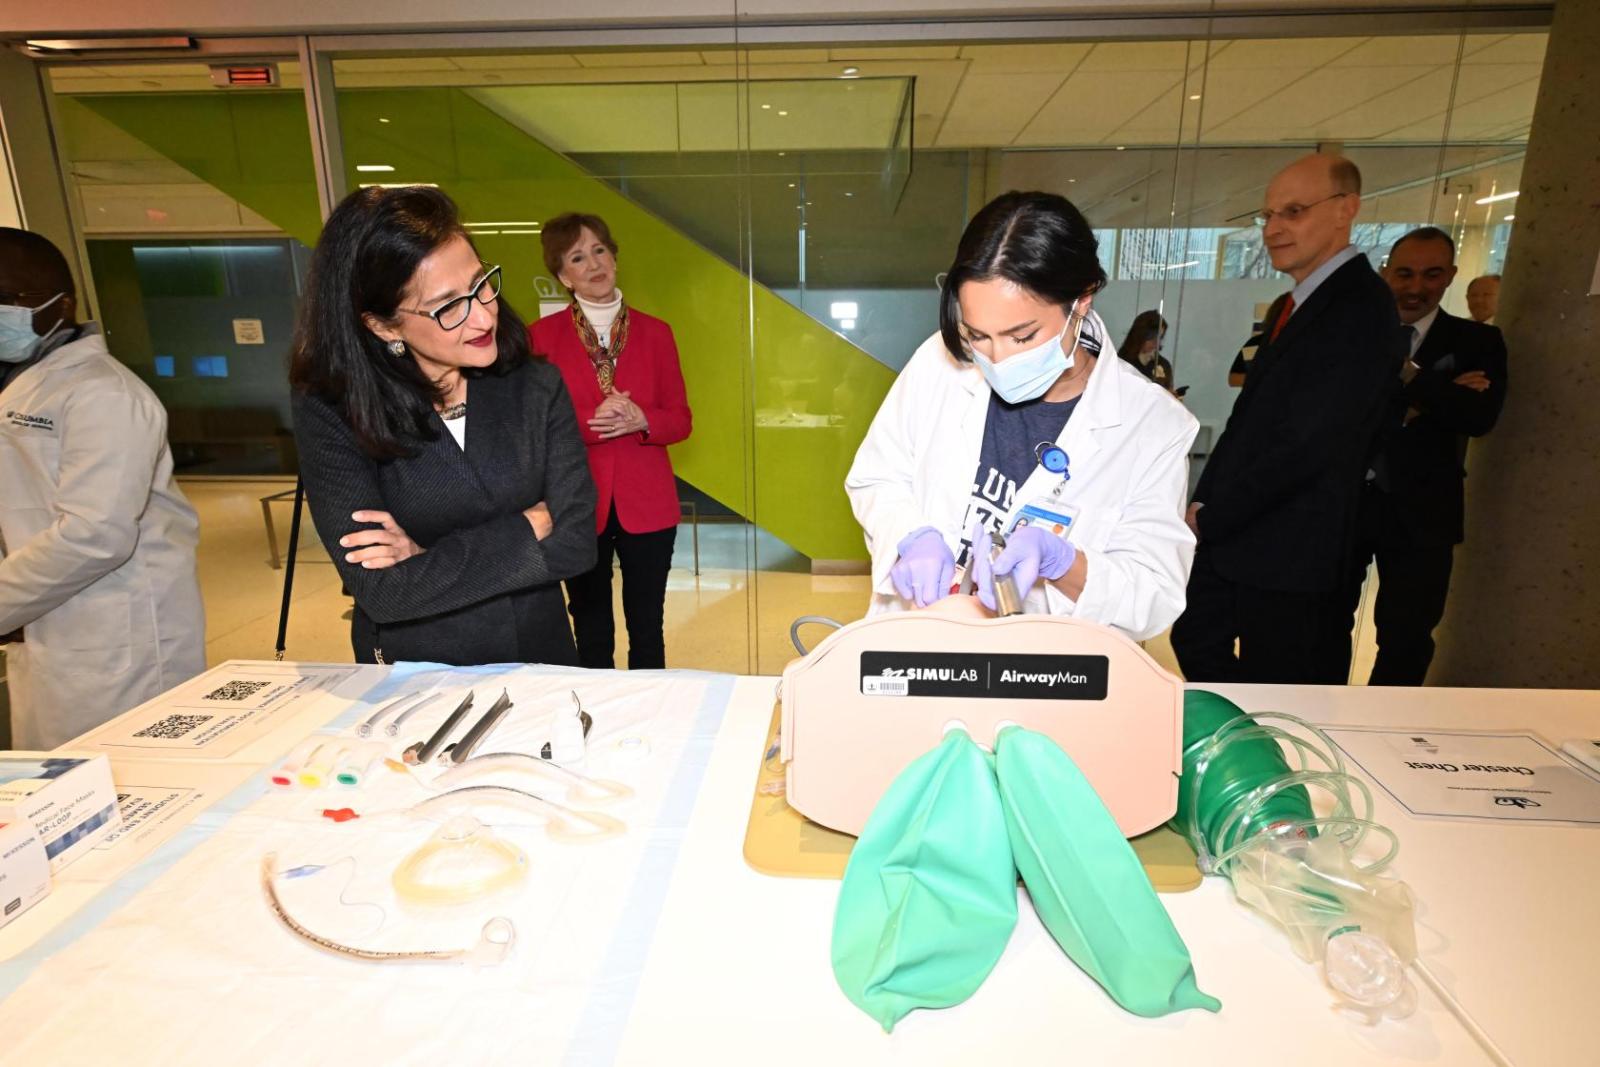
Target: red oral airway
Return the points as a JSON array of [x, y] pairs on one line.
[[481, 341]]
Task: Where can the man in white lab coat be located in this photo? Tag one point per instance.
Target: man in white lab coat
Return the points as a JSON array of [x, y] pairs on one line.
[[99, 601]]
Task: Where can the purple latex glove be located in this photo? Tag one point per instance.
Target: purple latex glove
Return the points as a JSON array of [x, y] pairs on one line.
[[1030, 554], [925, 569]]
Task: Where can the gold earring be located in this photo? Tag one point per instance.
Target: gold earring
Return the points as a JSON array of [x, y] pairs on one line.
[[397, 348]]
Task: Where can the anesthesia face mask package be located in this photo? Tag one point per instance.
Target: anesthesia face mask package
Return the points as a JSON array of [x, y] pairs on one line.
[[68, 797], [24, 871]]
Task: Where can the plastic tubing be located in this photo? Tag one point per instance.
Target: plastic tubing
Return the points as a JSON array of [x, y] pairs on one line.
[[1350, 817], [471, 836], [1242, 800], [1323, 825], [576, 787], [559, 820], [494, 942], [806, 620], [367, 724], [1238, 784], [393, 729]]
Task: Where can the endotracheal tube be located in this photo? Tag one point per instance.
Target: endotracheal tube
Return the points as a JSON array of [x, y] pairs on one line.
[[494, 941]]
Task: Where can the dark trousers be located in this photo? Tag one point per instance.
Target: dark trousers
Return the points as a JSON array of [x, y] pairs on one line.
[[1413, 582], [1288, 638], [645, 559]]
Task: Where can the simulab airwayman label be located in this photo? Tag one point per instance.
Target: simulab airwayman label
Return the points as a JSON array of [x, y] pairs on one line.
[[1003, 675]]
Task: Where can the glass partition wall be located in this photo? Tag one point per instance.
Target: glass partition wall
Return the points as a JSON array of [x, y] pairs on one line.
[[197, 208], [787, 210]]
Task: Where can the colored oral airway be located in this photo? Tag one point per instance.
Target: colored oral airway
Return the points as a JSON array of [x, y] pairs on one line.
[[481, 341]]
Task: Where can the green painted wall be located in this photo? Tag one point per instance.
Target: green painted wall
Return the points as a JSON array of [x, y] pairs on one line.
[[254, 146], [780, 401]]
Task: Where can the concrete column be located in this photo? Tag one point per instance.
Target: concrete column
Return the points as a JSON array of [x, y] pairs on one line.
[[1524, 606]]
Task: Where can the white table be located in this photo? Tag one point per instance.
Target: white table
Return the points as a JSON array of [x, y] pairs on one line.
[[736, 967], [739, 967]]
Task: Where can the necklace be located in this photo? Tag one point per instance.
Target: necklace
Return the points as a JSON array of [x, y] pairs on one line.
[[454, 411]]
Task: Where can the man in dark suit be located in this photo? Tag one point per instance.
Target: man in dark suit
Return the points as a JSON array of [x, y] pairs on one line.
[[1411, 509], [1275, 509]]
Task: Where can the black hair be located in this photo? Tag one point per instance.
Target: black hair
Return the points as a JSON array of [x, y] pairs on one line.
[[1146, 324], [42, 257], [1037, 240], [370, 248], [1424, 233]]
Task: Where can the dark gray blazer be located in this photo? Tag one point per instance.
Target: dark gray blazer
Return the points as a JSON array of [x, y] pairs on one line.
[[1282, 485], [485, 590], [1426, 457]]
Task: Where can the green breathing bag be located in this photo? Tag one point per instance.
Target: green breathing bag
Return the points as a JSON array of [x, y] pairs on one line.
[[1086, 882], [1237, 769], [929, 897]]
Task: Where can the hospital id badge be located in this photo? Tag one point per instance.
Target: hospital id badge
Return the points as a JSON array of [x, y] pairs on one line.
[[1054, 517]]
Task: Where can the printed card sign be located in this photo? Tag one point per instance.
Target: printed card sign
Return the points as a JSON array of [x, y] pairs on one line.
[[1003, 676], [143, 806], [220, 712], [1513, 777]]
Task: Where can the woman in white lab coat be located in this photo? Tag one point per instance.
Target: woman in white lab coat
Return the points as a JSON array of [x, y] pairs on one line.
[[1009, 421]]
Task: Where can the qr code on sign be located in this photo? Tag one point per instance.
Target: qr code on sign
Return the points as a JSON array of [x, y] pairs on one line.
[[173, 726], [236, 690]]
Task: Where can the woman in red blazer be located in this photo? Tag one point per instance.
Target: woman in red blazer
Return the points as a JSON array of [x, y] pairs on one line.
[[621, 369]]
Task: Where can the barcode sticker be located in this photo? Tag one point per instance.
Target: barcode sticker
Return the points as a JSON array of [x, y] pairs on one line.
[[873, 685]]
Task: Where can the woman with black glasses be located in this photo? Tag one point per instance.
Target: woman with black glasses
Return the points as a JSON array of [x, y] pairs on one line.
[[453, 543]]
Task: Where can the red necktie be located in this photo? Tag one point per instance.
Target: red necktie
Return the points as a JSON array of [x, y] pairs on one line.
[[1283, 318]]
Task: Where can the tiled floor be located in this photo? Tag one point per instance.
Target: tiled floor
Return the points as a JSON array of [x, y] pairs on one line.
[[744, 574]]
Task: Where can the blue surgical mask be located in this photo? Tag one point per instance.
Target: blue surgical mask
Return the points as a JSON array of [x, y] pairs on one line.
[[1028, 375], [18, 341]]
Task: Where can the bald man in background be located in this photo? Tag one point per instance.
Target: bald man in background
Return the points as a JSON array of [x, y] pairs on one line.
[[1483, 298], [99, 600], [1274, 512]]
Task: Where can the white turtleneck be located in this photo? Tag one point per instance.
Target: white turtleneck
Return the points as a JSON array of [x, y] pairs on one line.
[[601, 316]]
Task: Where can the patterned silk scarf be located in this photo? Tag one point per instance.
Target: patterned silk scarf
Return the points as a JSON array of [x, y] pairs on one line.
[[603, 356]]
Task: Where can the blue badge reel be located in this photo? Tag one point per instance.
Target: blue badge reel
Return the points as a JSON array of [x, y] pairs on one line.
[[1049, 511], [1052, 458]]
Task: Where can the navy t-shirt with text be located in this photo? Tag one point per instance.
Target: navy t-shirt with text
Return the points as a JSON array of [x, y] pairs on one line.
[[1012, 434]]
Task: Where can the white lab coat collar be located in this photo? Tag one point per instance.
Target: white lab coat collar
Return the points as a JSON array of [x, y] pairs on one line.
[[51, 349], [89, 343]]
